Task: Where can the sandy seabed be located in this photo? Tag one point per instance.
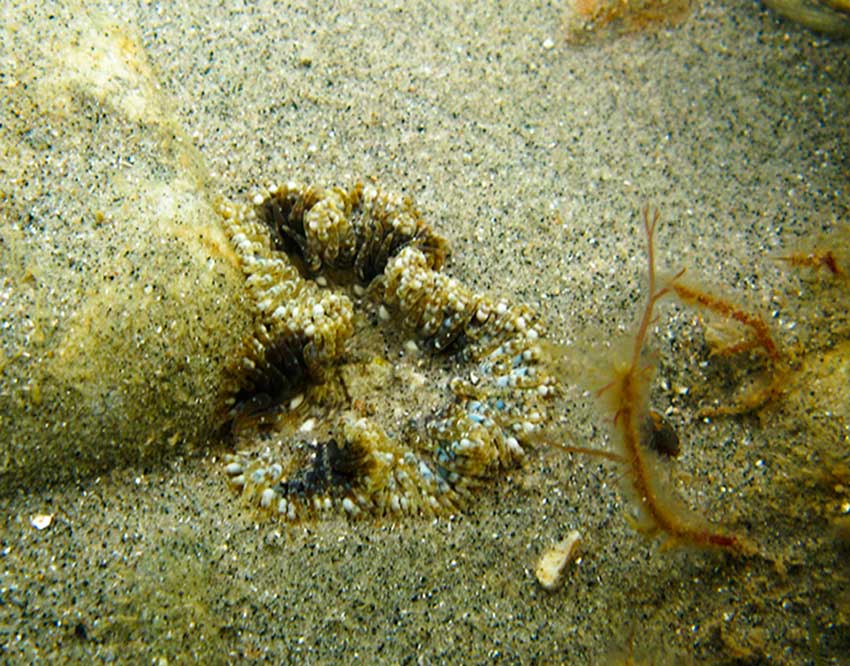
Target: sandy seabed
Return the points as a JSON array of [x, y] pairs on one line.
[[533, 155]]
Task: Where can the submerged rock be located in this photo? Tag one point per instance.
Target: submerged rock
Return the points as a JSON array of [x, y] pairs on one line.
[[120, 298], [830, 17]]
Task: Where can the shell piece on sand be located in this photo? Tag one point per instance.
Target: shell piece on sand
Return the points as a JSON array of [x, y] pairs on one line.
[[551, 567]]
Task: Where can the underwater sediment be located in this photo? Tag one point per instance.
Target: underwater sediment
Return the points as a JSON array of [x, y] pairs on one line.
[[173, 566]]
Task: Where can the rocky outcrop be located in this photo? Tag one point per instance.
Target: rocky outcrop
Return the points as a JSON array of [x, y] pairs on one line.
[[120, 298]]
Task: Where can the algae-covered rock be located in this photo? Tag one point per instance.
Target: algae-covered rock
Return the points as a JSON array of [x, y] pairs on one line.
[[119, 295], [830, 17]]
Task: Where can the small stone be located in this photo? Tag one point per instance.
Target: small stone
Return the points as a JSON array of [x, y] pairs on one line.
[[551, 567]]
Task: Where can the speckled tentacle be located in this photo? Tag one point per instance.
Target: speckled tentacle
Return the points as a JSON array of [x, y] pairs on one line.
[[291, 311], [505, 396], [357, 229]]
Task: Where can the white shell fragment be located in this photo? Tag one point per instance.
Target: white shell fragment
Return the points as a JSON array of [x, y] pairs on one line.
[[41, 521], [551, 567]]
